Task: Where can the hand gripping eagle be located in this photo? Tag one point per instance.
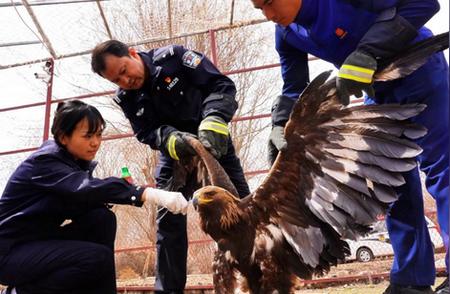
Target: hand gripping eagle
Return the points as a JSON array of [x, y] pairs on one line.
[[333, 180]]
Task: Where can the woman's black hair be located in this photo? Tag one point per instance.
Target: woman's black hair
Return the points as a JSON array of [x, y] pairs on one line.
[[69, 113]]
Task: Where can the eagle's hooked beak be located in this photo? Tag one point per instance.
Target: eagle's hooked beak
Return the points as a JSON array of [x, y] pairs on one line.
[[195, 200]]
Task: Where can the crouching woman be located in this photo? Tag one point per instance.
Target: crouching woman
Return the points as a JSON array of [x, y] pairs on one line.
[[54, 184]]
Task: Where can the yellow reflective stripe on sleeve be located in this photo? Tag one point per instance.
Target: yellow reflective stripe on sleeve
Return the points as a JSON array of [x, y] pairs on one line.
[[359, 69], [356, 73], [215, 127], [355, 78], [171, 147]]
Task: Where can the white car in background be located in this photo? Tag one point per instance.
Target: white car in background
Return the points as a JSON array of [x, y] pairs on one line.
[[377, 242]]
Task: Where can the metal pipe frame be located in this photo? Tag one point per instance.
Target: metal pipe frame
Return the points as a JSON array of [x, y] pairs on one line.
[[105, 22], [142, 42], [212, 41], [120, 136], [169, 17], [231, 72], [232, 13], [44, 37], [12, 44], [47, 2], [50, 65], [129, 135]]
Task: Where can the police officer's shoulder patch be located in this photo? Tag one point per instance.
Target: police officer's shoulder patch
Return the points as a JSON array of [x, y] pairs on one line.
[[120, 94], [191, 59], [117, 99], [163, 54]]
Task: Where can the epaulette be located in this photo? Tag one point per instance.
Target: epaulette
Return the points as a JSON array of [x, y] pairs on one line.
[[120, 93], [162, 54]]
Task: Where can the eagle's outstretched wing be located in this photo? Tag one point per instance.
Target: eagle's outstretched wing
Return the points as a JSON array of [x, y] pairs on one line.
[[333, 180], [339, 168], [342, 151], [340, 163]]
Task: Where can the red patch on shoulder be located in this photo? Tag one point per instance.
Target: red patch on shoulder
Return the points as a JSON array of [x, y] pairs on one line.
[[340, 33]]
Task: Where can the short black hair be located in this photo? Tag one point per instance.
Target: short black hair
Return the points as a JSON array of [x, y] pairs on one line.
[[100, 51], [69, 113]]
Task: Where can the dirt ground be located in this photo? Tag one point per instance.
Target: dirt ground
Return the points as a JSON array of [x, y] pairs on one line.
[[376, 284], [377, 271], [372, 288]]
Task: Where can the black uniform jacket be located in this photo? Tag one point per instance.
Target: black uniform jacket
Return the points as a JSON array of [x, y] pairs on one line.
[[50, 187], [182, 88]]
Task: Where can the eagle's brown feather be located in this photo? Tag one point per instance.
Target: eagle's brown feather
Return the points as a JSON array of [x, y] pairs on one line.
[[333, 180]]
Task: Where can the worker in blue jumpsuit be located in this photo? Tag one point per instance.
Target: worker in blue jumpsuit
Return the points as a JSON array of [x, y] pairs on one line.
[[39, 253], [169, 93], [354, 35]]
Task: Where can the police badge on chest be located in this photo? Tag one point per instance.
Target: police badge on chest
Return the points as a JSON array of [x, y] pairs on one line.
[[171, 83]]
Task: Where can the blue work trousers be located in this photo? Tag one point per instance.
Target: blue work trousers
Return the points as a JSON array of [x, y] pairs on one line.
[[413, 251], [172, 241]]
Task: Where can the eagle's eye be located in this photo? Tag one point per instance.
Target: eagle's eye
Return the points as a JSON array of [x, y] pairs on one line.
[[203, 196], [210, 193]]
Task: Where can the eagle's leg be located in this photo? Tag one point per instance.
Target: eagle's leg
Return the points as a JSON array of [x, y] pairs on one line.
[[275, 279], [223, 274], [252, 279]]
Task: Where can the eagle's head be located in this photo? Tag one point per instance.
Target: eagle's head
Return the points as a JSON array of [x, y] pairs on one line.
[[215, 204]]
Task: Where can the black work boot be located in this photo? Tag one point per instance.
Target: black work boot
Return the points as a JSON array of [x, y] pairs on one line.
[[398, 289], [443, 288]]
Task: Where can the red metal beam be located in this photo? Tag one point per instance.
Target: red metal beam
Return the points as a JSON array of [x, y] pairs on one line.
[[106, 93], [120, 136], [256, 172], [49, 66], [105, 138], [254, 68], [153, 246], [212, 38], [140, 248], [251, 117], [18, 151]]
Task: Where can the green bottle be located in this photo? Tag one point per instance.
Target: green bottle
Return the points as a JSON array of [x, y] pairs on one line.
[[126, 175]]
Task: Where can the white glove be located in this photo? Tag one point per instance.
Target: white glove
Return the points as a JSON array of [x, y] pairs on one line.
[[173, 201]]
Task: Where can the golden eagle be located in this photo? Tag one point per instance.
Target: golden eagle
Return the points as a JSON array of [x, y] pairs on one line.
[[333, 180]]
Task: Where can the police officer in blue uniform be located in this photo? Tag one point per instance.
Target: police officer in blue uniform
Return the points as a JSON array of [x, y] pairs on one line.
[[55, 184], [355, 35], [169, 93]]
